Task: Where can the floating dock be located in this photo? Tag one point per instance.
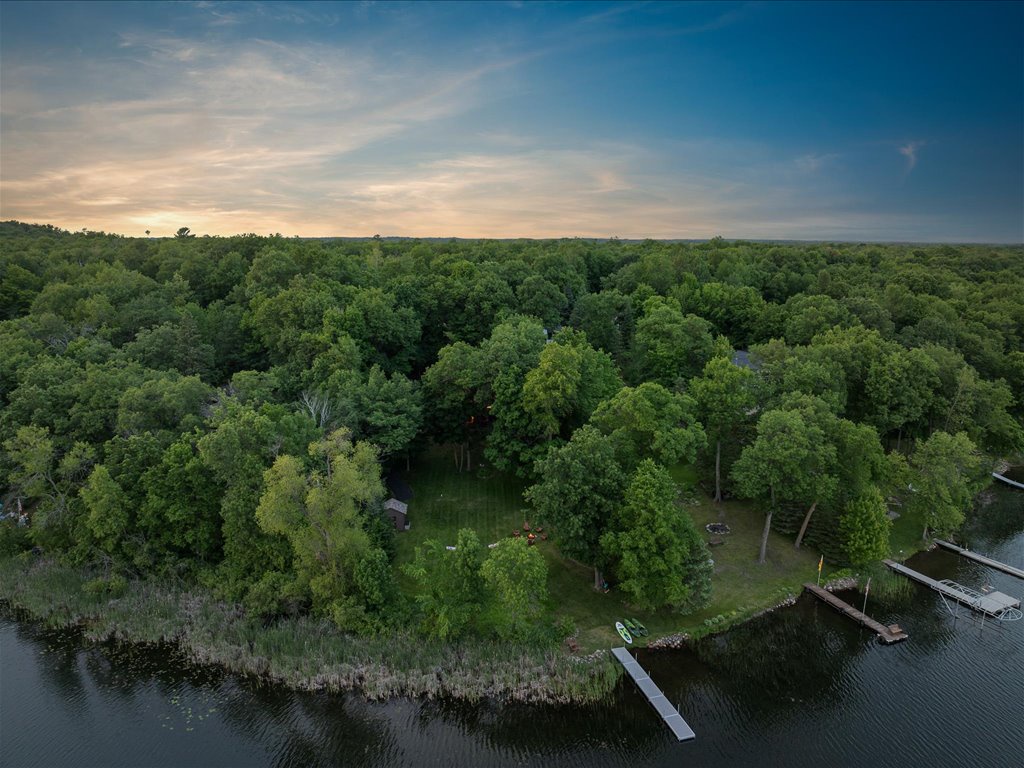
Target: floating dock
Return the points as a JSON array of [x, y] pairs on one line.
[[1007, 480], [888, 634], [995, 604], [668, 713], [982, 559]]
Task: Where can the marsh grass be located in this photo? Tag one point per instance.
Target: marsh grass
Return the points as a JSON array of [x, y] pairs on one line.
[[886, 586], [303, 653]]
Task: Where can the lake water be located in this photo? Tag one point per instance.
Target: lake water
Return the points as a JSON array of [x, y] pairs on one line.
[[800, 687]]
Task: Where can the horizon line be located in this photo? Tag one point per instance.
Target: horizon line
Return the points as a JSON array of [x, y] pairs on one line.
[[514, 238]]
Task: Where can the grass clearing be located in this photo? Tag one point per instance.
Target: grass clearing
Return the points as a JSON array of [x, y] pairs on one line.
[[905, 537], [491, 503]]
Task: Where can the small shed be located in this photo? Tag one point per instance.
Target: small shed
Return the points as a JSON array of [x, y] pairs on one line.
[[398, 513]]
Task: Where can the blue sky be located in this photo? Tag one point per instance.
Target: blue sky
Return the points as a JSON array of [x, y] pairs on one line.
[[864, 121]]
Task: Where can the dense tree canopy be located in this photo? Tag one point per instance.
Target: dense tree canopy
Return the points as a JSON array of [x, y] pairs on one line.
[[159, 397]]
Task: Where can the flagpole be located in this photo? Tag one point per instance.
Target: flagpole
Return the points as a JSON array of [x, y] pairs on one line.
[[866, 588], [820, 563]]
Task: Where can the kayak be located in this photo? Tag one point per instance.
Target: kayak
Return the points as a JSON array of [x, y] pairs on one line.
[[633, 629], [640, 629], [623, 632]]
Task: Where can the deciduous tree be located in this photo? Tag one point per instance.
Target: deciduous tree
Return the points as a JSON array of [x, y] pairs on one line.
[[517, 578], [945, 474], [580, 486], [659, 558], [775, 467], [724, 397], [649, 421]]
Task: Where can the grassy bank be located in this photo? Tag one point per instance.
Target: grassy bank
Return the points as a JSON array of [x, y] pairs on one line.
[[301, 653]]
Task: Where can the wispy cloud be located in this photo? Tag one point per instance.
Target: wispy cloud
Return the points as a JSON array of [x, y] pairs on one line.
[[909, 151], [813, 161], [339, 134], [215, 124]]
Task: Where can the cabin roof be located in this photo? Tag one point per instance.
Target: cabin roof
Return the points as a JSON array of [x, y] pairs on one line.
[[742, 358], [396, 505]]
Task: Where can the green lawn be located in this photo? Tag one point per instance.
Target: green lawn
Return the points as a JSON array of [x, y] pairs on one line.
[[491, 503], [739, 582], [445, 500], [905, 537]]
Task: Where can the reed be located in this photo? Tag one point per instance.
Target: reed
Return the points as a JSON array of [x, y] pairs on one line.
[[304, 653], [887, 586]]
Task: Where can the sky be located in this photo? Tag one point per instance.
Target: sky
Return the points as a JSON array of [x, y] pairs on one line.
[[832, 121]]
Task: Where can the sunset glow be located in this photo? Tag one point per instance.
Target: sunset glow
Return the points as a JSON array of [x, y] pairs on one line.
[[509, 120]]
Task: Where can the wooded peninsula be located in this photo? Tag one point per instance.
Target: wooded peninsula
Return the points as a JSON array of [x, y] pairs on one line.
[[448, 467]]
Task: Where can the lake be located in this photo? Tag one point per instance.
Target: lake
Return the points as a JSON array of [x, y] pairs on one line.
[[802, 686]]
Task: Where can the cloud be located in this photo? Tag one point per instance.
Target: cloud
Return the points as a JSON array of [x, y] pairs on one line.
[[206, 128], [909, 151], [224, 136], [813, 162]]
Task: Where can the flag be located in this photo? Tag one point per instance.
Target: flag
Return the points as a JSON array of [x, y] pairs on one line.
[[820, 563]]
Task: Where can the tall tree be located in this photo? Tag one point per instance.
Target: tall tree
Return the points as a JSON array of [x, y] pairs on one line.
[[318, 513], [451, 590], [451, 409], [516, 576], [774, 467], [901, 386], [107, 516], [580, 486], [724, 397], [551, 389], [244, 442], [543, 299], [660, 559], [668, 345], [607, 320], [42, 475], [180, 517], [386, 411], [649, 421], [946, 473]]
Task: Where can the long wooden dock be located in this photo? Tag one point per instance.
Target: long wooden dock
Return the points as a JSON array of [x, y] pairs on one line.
[[668, 713], [1007, 480], [982, 559], [888, 634], [1002, 607]]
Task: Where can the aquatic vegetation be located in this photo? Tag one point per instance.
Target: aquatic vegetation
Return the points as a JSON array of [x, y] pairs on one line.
[[302, 653]]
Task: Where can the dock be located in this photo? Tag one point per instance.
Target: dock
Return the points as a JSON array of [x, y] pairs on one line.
[[996, 604], [662, 705], [888, 634], [982, 559], [1008, 481]]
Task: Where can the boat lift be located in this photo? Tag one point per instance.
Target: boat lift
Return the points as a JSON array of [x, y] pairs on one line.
[[999, 606]]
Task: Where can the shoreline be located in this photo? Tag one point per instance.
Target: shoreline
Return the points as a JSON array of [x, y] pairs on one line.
[[302, 653], [309, 655]]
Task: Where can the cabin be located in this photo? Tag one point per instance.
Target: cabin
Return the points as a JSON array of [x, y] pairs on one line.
[[398, 513], [741, 359]]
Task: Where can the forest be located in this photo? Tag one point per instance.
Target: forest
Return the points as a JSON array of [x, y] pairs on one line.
[[225, 412]]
